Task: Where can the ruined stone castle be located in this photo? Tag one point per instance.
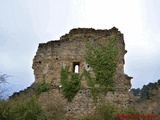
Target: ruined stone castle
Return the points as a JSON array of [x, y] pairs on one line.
[[70, 51]]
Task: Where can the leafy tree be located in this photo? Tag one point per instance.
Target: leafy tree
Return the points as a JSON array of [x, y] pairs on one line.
[[147, 90], [136, 92], [144, 93]]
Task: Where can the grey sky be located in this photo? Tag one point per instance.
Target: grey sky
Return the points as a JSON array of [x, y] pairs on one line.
[[26, 23]]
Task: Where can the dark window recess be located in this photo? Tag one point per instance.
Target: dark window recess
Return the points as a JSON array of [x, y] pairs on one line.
[[76, 67], [87, 66]]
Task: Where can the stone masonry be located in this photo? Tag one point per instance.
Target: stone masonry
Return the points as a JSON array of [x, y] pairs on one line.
[[70, 51]]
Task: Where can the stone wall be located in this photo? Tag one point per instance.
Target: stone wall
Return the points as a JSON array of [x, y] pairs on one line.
[[70, 51]]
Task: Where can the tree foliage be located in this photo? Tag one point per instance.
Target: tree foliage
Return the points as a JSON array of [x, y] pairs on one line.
[[136, 92], [147, 91]]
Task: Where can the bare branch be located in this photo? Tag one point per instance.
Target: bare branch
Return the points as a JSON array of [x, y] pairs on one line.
[[3, 78], [3, 81]]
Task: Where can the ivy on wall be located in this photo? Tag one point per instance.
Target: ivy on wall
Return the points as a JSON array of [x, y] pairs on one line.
[[44, 86], [91, 83], [70, 83], [103, 59]]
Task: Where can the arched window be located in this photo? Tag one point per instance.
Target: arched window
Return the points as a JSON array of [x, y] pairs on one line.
[[76, 67]]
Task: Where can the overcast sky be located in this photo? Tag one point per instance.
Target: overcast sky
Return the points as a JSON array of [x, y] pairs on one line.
[[26, 23]]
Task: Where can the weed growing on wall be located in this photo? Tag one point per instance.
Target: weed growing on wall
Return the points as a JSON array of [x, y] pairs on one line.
[[69, 86], [103, 59], [44, 86]]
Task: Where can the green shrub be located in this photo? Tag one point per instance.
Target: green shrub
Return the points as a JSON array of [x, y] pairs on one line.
[[28, 110], [55, 112], [5, 111], [20, 110], [104, 111]]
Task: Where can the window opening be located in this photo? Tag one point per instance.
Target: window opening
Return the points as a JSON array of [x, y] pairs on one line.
[[76, 67], [87, 66]]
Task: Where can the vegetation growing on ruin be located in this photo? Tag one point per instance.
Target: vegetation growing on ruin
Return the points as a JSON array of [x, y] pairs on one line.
[[107, 111], [102, 58], [44, 86], [70, 83], [91, 83], [23, 109], [31, 109]]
